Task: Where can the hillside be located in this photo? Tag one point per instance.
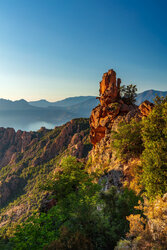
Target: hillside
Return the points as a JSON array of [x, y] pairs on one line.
[[28, 158]]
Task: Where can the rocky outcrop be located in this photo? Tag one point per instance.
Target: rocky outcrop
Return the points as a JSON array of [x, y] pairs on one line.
[[72, 137], [12, 142], [14, 145], [145, 108], [109, 88], [7, 188], [23, 150], [104, 119], [112, 107]]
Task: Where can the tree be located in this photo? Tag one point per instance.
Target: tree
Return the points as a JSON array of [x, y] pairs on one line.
[[117, 206], [80, 215], [127, 141], [128, 94], [154, 157]]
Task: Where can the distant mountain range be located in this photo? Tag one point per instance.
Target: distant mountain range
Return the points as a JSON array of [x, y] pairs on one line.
[[77, 102], [149, 95], [32, 115], [63, 103]]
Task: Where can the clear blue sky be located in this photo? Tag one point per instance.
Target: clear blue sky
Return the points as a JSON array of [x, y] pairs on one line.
[[53, 49]]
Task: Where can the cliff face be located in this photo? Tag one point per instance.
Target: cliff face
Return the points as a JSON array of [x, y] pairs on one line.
[[12, 142], [112, 108], [14, 145], [28, 158], [111, 105], [105, 118]]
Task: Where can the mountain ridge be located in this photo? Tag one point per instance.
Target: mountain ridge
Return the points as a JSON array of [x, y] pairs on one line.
[[23, 115], [70, 101]]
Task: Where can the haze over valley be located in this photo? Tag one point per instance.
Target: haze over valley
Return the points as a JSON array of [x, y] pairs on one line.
[[31, 116]]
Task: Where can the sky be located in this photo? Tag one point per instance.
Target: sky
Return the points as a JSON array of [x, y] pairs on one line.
[[53, 49]]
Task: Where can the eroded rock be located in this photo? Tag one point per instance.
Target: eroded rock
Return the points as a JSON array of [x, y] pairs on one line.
[[145, 108], [112, 106]]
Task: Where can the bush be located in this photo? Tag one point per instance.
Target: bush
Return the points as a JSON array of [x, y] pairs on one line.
[[82, 214], [128, 94], [154, 157], [127, 141]]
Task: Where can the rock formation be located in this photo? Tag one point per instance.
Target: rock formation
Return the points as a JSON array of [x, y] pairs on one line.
[[145, 108], [112, 108], [12, 142], [105, 118], [21, 150], [14, 145]]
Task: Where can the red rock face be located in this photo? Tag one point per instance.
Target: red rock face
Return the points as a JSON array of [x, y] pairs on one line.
[[111, 106], [109, 88], [12, 142], [145, 108]]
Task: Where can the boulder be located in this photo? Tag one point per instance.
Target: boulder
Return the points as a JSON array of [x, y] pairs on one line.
[[145, 108]]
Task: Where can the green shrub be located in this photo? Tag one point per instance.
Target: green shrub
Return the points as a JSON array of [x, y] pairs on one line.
[[127, 141], [82, 213], [154, 157], [128, 94]]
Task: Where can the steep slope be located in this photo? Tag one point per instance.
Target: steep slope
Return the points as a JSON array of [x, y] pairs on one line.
[[32, 157], [104, 120], [137, 162]]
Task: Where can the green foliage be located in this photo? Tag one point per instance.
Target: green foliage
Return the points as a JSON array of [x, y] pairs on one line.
[[154, 157], [127, 141], [5, 244], [68, 240], [128, 94], [146, 139], [118, 205], [70, 178], [38, 230], [82, 213], [20, 181]]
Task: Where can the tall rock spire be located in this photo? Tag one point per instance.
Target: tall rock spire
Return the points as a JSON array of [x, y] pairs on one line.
[[110, 104]]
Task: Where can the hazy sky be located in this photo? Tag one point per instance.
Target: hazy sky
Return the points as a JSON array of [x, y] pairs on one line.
[[52, 49]]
